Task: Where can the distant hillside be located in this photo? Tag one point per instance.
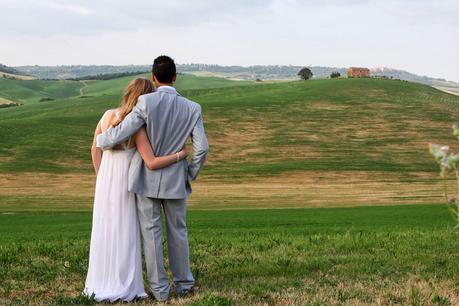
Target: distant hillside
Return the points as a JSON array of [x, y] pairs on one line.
[[10, 70], [237, 72], [79, 71], [107, 76], [263, 72], [405, 75], [290, 73], [14, 74]]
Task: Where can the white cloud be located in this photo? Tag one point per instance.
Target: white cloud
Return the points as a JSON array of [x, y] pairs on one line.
[[62, 6]]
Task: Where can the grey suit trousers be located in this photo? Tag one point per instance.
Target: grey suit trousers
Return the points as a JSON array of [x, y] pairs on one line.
[[150, 219]]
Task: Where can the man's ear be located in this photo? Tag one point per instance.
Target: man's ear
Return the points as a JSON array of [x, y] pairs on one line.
[[174, 78], [153, 78]]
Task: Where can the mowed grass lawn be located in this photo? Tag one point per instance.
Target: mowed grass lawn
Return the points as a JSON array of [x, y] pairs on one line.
[[405, 255]]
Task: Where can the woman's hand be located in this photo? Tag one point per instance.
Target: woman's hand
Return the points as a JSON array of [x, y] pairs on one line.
[[183, 153], [151, 161]]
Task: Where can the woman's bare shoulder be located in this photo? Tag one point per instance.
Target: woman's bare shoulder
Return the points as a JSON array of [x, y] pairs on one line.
[[110, 112], [108, 118]]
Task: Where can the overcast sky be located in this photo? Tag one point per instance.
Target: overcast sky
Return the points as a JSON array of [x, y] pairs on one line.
[[421, 36]]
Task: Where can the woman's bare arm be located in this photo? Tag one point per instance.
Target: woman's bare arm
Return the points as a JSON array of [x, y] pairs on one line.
[[151, 161], [96, 153]]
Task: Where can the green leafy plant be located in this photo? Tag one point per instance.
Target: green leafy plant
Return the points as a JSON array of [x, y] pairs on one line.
[[448, 163]]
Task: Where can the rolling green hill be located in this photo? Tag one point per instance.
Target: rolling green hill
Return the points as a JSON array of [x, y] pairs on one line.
[[299, 134], [263, 129], [30, 91]]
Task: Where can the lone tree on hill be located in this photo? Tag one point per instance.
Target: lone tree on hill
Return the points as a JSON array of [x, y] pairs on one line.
[[305, 73], [335, 74]]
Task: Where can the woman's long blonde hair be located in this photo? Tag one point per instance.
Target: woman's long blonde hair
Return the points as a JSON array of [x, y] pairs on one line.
[[133, 91]]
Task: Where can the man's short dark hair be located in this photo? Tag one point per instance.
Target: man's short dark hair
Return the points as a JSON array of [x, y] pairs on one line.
[[164, 69]]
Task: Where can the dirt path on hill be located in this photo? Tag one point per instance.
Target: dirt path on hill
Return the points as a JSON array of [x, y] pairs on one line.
[[84, 86]]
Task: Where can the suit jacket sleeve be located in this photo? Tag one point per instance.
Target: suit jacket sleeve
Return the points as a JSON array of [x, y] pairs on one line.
[[200, 149], [128, 127]]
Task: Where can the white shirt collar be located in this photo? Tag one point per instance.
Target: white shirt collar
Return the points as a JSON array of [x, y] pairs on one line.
[[166, 87]]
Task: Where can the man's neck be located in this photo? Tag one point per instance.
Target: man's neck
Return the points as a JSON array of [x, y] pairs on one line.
[[164, 84]]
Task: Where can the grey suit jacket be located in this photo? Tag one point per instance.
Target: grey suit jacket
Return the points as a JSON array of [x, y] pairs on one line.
[[170, 119]]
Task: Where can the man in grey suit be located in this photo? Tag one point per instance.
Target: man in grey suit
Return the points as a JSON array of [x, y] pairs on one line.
[[170, 120]]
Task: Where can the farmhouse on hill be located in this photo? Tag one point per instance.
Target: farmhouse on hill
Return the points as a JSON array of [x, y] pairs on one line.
[[358, 72]]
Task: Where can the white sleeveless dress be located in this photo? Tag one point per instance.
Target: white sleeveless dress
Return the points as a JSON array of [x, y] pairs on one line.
[[115, 266]]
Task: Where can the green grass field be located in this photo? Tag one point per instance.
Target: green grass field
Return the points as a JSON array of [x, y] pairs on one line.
[[293, 145], [405, 255]]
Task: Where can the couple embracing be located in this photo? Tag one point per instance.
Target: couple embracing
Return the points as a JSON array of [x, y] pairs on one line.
[[143, 171]]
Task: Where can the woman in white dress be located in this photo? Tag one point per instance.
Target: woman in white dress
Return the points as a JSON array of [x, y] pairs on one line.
[[115, 267]]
